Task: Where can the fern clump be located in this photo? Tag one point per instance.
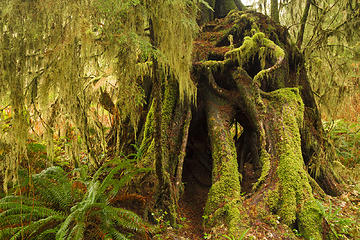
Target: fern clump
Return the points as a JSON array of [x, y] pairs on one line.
[[57, 210], [35, 216]]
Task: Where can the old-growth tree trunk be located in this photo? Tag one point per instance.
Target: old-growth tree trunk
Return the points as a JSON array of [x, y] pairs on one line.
[[248, 73], [164, 145], [219, 9], [274, 10]]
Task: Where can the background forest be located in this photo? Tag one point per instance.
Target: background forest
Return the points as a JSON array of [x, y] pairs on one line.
[[105, 104]]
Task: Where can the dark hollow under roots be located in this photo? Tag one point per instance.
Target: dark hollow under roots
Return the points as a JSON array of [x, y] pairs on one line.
[[197, 171]]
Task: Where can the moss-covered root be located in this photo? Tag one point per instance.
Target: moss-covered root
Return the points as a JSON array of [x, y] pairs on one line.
[[223, 207], [292, 197], [272, 73]]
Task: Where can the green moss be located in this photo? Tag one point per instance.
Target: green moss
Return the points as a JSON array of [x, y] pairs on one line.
[[233, 215], [245, 52], [169, 136], [293, 199], [258, 43], [225, 7], [223, 204], [262, 76], [272, 199], [215, 66], [253, 21], [275, 54], [266, 51], [220, 191], [277, 51], [169, 102], [225, 176], [291, 97], [148, 128], [262, 56], [310, 220], [179, 28]]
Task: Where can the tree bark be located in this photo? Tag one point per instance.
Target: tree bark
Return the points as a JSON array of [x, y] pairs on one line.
[[220, 8], [240, 6], [304, 17], [275, 11]]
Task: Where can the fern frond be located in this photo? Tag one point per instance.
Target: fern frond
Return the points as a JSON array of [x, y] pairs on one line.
[[108, 179], [117, 184], [20, 200], [118, 163], [64, 228], [59, 198], [53, 186], [127, 176], [48, 234], [77, 232], [15, 208], [6, 233], [123, 166], [104, 168], [54, 172], [16, 219], [126, 219], [92, 193], [33, 227], [55, 215], [115, 234]]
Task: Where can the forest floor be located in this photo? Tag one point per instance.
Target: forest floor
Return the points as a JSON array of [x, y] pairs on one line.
[[342, 213]]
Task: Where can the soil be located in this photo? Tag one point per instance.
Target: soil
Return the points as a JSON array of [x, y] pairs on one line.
[[197, 180], [343, 211], [191, 207]]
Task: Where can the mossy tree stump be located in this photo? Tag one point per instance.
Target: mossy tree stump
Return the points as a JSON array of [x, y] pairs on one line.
[[249, 73]]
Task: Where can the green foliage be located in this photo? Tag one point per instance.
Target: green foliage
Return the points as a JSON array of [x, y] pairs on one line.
[[54, 187], [62, 211], [207, 236], [331, 46], [339, 225], [346, 138], [36, 147], [297, 233], [242, 236]]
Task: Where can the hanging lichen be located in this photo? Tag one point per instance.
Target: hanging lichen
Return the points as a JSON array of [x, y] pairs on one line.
[[174, 28], [48, 54], [58, 56]]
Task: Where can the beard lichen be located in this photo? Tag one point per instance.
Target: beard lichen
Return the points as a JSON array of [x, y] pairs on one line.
[[175, 22], [63, 53]]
